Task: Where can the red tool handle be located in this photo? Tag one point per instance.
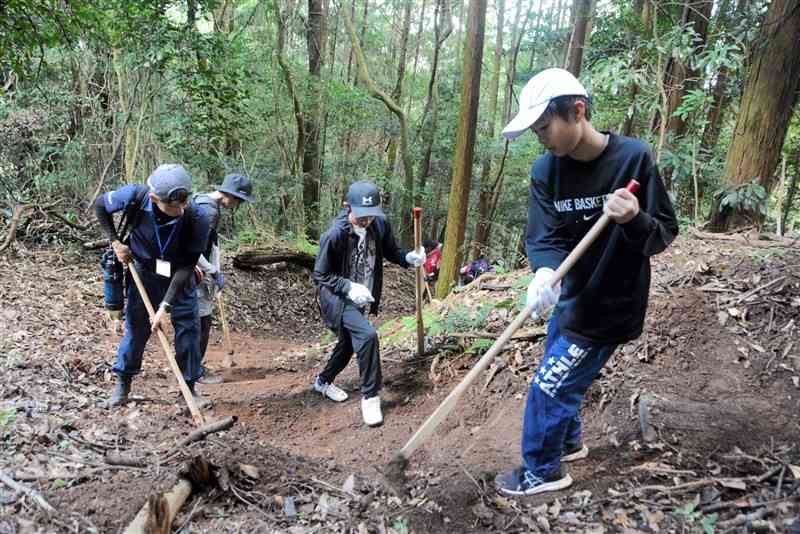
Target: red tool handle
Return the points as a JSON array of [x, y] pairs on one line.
[[417, 213], [633, 186]]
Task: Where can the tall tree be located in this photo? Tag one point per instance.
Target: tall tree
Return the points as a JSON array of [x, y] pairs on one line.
[[315, 40], [481, 237], [583, 16], [388, 101], [442, 28], [406, 236], [769, 96], [680, 78], [722, 81], [465, 147]]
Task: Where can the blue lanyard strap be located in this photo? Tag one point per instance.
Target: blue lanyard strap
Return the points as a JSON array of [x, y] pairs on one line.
[[161, 248]]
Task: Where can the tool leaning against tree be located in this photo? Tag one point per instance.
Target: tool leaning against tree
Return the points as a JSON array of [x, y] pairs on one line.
[[167, 235]]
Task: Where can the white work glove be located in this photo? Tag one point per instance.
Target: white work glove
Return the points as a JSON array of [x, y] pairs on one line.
[[416, 257], [359, 294], [540, 292]]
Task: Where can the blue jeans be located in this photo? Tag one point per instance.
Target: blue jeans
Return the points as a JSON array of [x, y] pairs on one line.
[[185, 320], [552, 411]]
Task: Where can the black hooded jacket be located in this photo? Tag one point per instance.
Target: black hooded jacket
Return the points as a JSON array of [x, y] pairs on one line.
[[331, 269]]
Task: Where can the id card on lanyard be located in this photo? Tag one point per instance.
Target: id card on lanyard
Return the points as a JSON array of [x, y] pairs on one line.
[[163, 267]]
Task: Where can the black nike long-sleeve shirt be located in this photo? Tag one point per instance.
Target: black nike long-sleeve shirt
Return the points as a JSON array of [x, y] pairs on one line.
[[604, 296]]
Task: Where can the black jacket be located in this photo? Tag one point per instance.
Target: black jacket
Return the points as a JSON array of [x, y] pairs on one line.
[[604, 296], [332, 268]]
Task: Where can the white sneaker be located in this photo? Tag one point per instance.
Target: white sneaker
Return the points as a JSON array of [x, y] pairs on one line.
[[371, 411], [329, 390]]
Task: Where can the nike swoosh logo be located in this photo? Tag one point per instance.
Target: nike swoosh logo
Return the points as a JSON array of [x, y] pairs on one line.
[[590, 217]]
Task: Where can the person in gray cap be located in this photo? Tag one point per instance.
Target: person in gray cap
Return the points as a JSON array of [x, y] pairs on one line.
[[167, 235], [349, 274], [235, 189]]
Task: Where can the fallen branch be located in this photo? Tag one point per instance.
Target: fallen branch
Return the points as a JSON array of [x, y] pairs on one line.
[[32, 493], [158, 513], [527, 334], [252, 259], [743, 239], [201, 433]]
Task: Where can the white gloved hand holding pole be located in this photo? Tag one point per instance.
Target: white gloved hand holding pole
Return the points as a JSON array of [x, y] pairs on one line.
[[542, 293], [417, 257], [359, 294]]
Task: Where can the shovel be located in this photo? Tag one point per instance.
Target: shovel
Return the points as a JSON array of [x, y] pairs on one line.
[[187, 395], [394, 473]]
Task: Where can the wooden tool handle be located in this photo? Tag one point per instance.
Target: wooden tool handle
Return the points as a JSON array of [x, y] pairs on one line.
[[187, 395], [226, 332], [419, 281], [449, 403]]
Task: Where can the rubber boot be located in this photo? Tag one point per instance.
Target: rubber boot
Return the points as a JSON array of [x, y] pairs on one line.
[[120, 394]]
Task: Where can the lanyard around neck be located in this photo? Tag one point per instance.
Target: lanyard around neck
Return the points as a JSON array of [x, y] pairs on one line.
[[162, 248]]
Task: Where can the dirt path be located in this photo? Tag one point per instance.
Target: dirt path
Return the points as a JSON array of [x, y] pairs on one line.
[[713, 340]]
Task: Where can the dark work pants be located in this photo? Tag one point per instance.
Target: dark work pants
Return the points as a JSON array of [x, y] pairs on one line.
[[205, 333], [137, 328], [359, 336]]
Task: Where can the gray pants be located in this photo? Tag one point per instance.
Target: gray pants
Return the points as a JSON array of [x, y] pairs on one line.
[[357, 335]]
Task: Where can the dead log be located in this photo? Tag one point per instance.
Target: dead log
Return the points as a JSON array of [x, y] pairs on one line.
[[252, 259], [717, 421], [158, 513]]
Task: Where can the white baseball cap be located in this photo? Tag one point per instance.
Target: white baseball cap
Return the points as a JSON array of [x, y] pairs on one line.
[[537, 94]]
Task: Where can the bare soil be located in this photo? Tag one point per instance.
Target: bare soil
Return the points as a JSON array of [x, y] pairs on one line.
[[721, 332]]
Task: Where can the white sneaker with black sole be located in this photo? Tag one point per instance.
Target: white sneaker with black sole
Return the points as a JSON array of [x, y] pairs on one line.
[[371, 411], [329, 390]]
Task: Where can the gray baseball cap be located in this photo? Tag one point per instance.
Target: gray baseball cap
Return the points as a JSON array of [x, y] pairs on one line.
[[365, 200], [170, 182], [239, 186]]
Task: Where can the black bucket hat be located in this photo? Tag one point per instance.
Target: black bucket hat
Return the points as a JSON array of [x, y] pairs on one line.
[[239, 186]]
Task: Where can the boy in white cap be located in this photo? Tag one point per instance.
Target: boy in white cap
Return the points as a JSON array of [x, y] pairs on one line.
[[349, 274], [602, 300], [167, 236]]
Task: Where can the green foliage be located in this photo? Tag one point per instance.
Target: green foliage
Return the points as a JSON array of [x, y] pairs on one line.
[[479, 346], [7, 419], [690, 514], [750, 197], [400, 525]]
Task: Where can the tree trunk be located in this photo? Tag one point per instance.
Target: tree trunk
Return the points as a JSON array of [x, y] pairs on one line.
[[465, 146], [407, 234], [480, 240], [419, 35], [719, 94], [442, 29], [577, 41], [280, 52], [377, 93], [315, 40], [770, 94]]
